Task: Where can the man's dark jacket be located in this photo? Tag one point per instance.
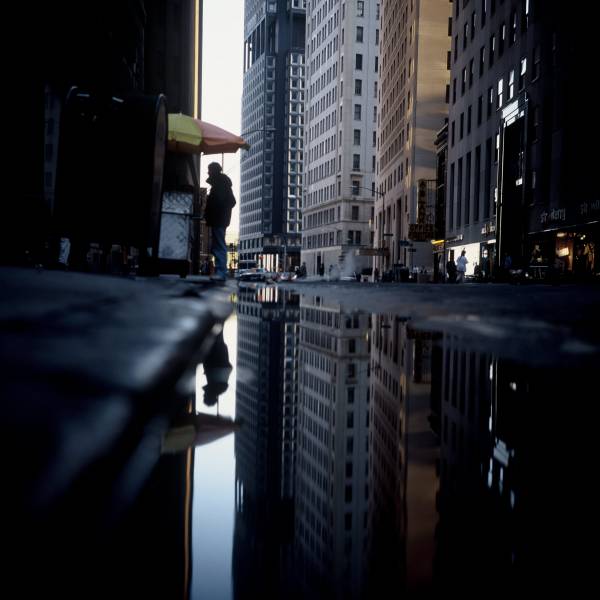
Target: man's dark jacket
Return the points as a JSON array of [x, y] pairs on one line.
[[219, 201]]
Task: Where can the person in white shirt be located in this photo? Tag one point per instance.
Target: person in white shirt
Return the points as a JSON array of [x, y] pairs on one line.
[[461, 267]]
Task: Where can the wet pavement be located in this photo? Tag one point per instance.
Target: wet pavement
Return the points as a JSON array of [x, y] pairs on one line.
[[347, 452]]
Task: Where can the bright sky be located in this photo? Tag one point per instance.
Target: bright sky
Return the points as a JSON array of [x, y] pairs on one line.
[[222, 70]]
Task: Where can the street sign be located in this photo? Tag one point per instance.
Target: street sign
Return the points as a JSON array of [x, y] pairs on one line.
[[373, 252]]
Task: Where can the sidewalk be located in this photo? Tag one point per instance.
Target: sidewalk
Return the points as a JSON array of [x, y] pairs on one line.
[[93, 369]]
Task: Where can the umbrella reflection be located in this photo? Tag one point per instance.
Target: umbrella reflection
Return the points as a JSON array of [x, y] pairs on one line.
[[197, 430]]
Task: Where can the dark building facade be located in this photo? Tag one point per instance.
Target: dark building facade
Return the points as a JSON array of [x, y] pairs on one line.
[[439, 243], [519, 175], [273, 124], [125, 60]]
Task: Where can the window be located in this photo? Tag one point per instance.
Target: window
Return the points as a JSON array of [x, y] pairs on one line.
[[479, 109], [462, 125], [492, 49], [463, 84], [500, 91], [481, 60], [357, 112], [355, 192], [377, 64], [351, 350], [465, 34], [537, 59], [469, 111], [501, 38], [511, 84], [356, 162], [359, 62], [490, 104], [357, 137], [513, 29], [358, 87], [522, 73], [525, 15], [497, 152], [355, 213], [360, 8], [471, 69], [359, 34]]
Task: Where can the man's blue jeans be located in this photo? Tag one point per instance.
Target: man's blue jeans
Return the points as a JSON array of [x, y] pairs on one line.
[[219, 251]]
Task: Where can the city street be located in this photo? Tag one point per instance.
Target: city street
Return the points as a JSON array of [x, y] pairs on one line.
[[225, 370]]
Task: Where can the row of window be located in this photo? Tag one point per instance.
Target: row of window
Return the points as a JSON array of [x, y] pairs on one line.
[[332, 238], [470, 25], [470, 181], [494, 97]]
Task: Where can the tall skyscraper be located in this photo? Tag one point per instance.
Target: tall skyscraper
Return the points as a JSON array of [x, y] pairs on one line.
[[272, 122], [341, 112], [413, 105]]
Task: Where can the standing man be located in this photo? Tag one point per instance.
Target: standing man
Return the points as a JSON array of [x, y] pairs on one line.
[[219, 203], [461, 266]]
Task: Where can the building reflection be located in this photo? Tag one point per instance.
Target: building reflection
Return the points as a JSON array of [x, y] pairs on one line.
[[333, 448], [382, 457], [405, 455], [266, 403]]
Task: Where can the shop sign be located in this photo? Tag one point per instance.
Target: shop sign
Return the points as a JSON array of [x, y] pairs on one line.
[[420, 232], [488, 229], [587, 208], [556, 214]]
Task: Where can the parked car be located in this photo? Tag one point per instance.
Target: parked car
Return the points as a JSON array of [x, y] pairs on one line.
[[286, 276], [258, 274]]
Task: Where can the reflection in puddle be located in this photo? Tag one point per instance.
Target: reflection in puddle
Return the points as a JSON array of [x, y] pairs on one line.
[[374, 455]]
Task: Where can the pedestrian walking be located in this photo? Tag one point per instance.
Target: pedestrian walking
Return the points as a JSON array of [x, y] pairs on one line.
[[461, 267], [219, 204], [451, 270]]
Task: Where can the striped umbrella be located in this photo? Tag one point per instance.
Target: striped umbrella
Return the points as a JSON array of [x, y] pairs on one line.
[[192, 136]]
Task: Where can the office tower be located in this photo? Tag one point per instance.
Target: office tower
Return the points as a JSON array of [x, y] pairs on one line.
[[412, 107], [272, 122], [342, 67]]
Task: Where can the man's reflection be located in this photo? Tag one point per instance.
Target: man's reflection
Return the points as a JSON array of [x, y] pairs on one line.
[[197, 428], [217, 369]]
